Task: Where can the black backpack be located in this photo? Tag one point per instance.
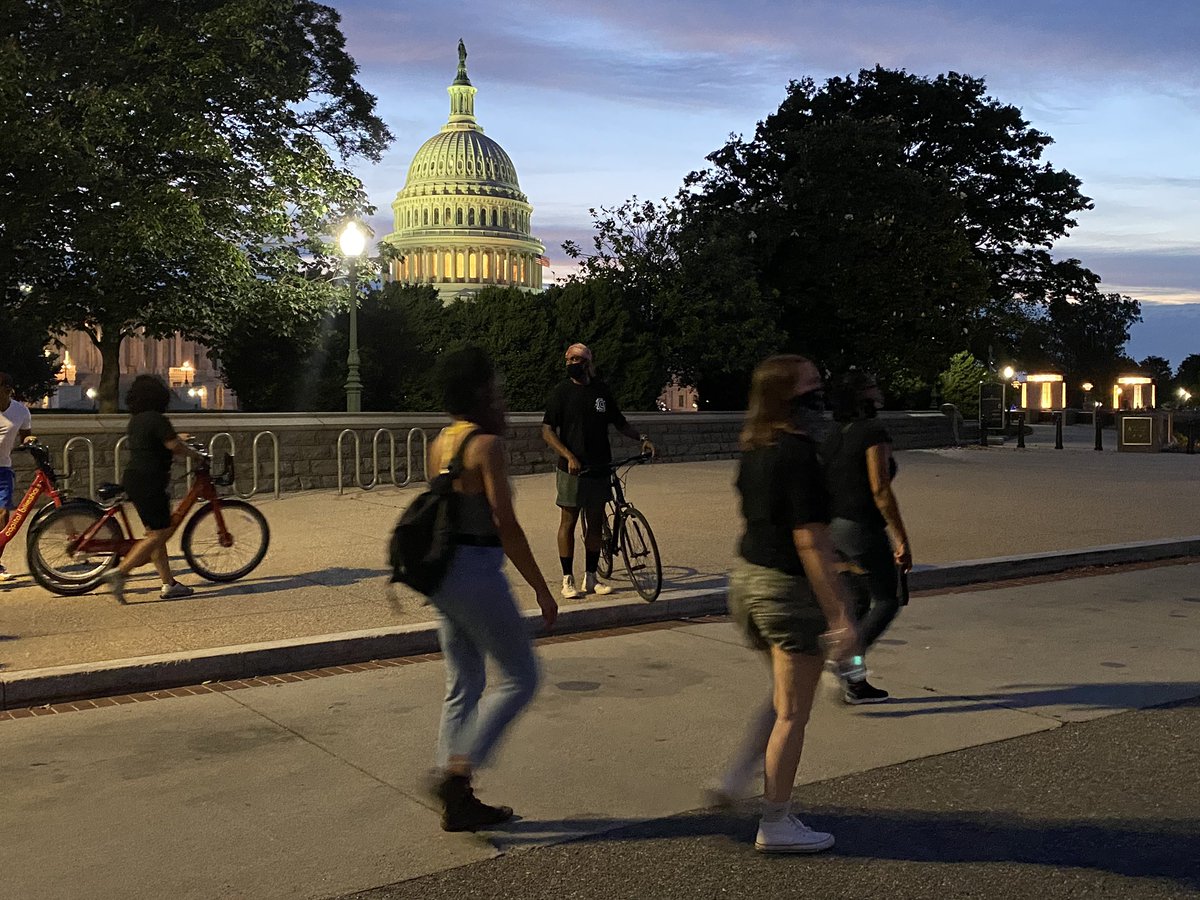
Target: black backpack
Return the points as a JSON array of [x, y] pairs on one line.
[[422, 544]]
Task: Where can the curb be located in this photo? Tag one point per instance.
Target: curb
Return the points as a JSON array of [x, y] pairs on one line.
[[36, 687]]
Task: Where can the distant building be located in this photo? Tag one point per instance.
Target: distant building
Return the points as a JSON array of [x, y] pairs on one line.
[[461, 220], [184, 365]]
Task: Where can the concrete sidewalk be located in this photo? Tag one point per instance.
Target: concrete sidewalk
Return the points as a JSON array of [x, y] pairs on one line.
[[324, 573], [314, 788]]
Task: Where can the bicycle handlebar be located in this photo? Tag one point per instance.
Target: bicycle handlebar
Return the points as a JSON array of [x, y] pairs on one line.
[[613, 466]]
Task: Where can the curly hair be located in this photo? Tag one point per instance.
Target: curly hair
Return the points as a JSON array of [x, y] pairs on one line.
[[147, 393], [847, 395], [462, 375]]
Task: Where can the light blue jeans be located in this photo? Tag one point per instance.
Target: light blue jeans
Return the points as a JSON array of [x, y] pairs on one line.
[[478, 618]]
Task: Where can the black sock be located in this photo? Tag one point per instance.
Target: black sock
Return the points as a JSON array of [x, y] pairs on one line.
[[591, 561], [566, 562]]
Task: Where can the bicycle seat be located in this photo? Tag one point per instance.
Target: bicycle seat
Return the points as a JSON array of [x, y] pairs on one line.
[[109, 492]]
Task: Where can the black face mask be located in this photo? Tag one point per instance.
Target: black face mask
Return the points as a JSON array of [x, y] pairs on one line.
[[870, 409], [807, 407], [577, 370]]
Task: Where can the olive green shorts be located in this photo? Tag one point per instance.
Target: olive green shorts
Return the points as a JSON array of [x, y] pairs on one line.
[[773, 608], [578, 492]]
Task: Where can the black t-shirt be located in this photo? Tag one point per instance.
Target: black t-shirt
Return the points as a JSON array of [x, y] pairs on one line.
[[845, 455], [580, 414], [782, 488], [148, 454]]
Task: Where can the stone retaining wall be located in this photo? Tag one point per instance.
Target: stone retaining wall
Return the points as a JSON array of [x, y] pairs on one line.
[[308, 442]]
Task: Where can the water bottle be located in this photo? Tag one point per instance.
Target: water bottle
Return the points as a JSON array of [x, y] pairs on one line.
[[854, 669]]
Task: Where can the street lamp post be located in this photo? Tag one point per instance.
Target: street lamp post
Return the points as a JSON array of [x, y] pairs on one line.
[[352, 242]]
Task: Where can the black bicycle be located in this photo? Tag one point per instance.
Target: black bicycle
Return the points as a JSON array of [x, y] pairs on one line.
[[626, 530]]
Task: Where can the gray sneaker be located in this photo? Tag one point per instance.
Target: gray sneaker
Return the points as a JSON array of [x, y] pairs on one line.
[[115, 579], [175, 591]]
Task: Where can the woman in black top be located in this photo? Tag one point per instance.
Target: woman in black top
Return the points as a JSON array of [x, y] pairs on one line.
[[153, 444], [785, 594], [860, 468]]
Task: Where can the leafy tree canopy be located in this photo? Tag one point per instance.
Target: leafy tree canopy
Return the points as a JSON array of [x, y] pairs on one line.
[[169, 161]]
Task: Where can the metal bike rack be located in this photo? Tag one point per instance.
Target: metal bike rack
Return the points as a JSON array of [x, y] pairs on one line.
[[376, 475], [117, 448], [408, 478], [66, 466], [212, 444]]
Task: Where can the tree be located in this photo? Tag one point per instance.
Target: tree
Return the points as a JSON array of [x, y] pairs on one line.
[[169, 163], [27, 354], [865, 257], [1188, 374], [1160, 370], [960, 383]]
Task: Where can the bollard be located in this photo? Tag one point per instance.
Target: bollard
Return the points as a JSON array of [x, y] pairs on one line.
[[1021, 430], [1058, 426], [1099, 427]]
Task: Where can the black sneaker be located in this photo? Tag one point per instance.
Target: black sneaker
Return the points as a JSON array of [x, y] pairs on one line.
[[855, 692], [463, 811]]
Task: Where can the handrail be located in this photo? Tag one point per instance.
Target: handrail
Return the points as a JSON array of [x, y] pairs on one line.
[[377, 477], [66, 466]]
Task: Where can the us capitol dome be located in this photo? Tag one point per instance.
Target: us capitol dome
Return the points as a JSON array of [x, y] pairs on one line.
[[461, 220]]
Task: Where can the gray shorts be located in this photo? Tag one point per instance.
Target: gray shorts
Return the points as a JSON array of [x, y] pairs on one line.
[[773, 608], [586, 492]]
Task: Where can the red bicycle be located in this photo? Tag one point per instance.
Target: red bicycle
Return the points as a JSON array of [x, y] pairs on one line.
[[222, 541], [45, 482]]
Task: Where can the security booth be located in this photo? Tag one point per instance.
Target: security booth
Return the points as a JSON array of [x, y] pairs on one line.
[[1131, 392], [1042, 394]]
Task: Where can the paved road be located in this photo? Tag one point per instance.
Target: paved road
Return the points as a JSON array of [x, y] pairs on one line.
[[324, 573], [1095, 810], [316, 788]]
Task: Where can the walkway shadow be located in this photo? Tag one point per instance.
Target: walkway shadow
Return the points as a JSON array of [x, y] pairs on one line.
[[1127, 847], [335, 576], [1079, 697]]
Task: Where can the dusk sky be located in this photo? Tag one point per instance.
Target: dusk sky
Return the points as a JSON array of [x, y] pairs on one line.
[[599, 102]]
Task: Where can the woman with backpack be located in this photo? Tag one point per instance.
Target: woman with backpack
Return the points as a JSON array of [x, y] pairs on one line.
[[860, 467], [477, 615]]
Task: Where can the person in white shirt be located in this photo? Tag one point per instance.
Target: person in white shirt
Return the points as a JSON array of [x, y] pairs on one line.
[[15, 425]]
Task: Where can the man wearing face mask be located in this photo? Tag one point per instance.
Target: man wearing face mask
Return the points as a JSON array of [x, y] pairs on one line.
[[859, 468], [578, 413]]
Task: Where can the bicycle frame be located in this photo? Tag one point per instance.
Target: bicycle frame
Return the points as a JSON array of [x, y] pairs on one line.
[[40, 485], [45, 482], [202, 488]]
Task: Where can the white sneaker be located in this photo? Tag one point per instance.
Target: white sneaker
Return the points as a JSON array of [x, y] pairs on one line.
[[569, 591], [175, 591], [593, 585], [5, 575], [790, 835]]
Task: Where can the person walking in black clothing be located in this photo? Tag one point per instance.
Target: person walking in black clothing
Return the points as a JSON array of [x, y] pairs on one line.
[[785, 595], [860, 467], [153, 444], [578, 413]]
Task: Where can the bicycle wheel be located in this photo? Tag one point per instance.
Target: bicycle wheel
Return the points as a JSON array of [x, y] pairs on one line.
[[51, 561], [639, 550], [229, 554], [606, 542]]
